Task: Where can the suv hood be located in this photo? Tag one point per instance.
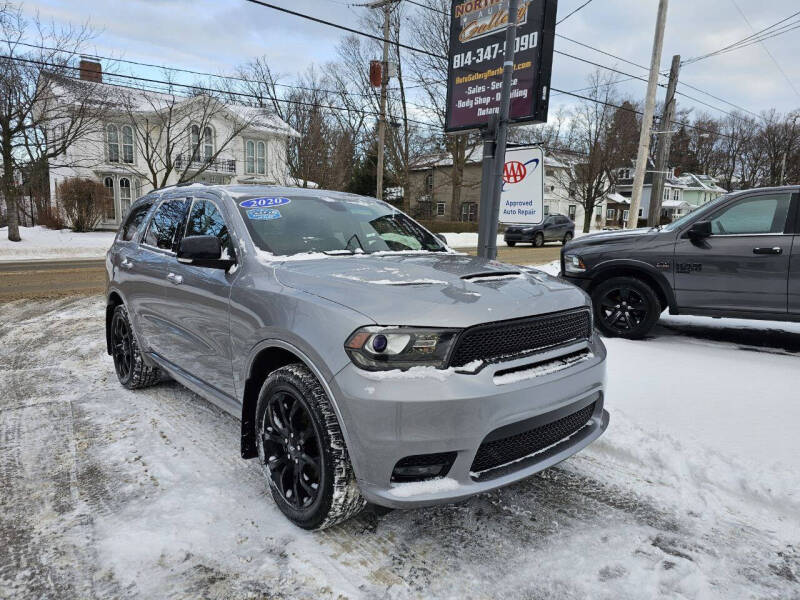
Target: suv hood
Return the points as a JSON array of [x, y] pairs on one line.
[[431, 290]]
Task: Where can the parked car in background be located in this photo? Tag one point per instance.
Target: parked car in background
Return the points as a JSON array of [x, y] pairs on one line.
[[738, 256], [366, 360], [554, 228]]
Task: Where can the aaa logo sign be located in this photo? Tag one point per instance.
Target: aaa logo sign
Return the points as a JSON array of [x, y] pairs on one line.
[[522, 199], [514, 172]]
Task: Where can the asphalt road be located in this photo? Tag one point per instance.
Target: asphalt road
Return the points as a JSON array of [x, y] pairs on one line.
[[85, 276], [51, 278]]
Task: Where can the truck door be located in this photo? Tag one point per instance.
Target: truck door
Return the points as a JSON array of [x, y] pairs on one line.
[[794, 263], [744, 265]]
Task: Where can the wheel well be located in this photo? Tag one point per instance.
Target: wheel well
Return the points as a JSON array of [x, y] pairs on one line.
[[265, 363], [649, 279], [114, 300]]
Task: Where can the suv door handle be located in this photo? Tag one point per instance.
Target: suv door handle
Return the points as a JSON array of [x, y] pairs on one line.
[[775, 250], [176, 279], [126, 264]]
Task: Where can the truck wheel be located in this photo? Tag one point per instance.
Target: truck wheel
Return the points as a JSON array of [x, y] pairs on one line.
[[538, 239], [567, 238], [302, 450], [511, 244], [131, 369], [625, 307]]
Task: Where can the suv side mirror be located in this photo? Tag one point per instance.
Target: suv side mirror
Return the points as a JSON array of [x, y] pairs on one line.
[[699, 231], [203, 251]]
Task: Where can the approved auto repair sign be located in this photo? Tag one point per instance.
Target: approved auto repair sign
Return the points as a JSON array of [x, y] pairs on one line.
[[522, 200], [477, 49]]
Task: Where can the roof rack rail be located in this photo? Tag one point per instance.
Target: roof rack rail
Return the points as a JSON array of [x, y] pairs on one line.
[[185, 183]]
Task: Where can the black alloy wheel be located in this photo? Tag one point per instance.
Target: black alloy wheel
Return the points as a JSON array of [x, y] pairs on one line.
[[625, 307], [291, 448], [122, 346]]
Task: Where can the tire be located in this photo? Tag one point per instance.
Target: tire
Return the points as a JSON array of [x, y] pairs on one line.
[[567, 238], [538, 239], [133, 373], [511, 244], [292, 405], [625, 307]]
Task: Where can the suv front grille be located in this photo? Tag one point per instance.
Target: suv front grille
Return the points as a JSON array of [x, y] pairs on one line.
[[492, 341], [499, 452]]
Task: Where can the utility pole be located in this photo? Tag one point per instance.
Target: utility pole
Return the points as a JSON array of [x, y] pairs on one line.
[[664, 145], [490, 202], [386, 5], [647, 119]]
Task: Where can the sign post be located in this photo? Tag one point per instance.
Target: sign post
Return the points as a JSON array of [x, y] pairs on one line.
[[501, 55]]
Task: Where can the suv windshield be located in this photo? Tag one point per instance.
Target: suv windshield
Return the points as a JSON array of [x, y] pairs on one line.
[[298, 224]]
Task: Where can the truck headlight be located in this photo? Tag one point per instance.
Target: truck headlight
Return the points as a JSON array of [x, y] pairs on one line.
[[574, 264], [385, 348]]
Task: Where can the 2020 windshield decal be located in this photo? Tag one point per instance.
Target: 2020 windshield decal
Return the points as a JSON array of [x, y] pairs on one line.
[[264, 202]]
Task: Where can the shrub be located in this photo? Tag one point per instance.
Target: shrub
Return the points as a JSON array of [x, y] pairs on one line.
[[85, 201]]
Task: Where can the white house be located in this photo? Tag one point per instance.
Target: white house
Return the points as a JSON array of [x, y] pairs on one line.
[[229, 144]]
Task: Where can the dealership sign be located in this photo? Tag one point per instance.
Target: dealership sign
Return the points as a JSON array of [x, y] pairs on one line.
[[522, 200], [477, 49]]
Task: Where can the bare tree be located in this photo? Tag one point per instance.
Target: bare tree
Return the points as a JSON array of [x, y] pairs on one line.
[[35, 126]]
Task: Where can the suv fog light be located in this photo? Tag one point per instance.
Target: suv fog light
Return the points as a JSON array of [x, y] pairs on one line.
[[423, 466]]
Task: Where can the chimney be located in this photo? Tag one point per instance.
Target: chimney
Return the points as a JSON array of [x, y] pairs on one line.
[[91, 69]]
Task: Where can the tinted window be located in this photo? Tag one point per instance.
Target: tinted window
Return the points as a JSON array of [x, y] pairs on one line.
[[760, 214], [299, 224], [134, 221], [164, 224], [205, 219]]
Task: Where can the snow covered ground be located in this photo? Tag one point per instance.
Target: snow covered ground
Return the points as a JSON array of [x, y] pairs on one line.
[[42, 243], [693, 492]]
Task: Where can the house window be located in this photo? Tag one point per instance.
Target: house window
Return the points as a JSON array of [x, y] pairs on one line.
[[573, 189], [666, 193], [625, 215], [676, 194], [641, 213], [261, 158], [469, 211], [127, 144], [599, 211], [112, 142], [108, 182], [124, 196], [208, 144], [573, 209], [250, 157], [611, 213], [195, 143], [550, 173], [440, 209], [429, 182], [546, 209]]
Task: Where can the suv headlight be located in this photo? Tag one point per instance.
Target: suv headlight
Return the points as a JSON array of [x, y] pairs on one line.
[[384, 348], [574, 264]]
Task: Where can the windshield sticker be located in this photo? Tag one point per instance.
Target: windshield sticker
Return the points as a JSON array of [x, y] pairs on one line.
[[264, 202], [263, 214]]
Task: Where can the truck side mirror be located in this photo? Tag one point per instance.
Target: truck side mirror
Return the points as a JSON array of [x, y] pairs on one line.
[[699, 231]]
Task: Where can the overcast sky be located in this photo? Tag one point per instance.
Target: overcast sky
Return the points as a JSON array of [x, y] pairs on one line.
[[215, 35]]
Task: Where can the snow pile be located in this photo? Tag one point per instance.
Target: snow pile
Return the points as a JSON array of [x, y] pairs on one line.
[[420, 488], [42, 243]]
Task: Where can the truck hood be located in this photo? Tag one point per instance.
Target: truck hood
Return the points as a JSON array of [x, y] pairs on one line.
[[431, 290], [612, 237]]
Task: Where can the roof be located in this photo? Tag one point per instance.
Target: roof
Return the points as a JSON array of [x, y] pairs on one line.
[[142, 101], [617, 198], [674, 204], [474, 156], [703, 182]]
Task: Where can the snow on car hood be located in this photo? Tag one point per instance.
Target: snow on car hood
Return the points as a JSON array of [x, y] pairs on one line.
[[433, 289]]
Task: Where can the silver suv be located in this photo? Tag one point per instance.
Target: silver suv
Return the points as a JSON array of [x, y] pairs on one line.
[[366, 360]]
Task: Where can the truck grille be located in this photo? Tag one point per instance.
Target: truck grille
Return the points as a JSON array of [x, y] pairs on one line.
[[508, 449], [492, 341]]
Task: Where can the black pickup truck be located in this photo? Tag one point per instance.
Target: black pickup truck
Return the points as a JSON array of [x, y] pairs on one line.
[[738, 256]]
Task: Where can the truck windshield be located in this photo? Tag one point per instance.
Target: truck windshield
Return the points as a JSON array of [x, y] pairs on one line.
[[703, 210], [288, 225]]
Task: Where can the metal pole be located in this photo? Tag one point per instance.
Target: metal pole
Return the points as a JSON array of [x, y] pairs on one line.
[[386, 5], [495, 187], [664, 145], [484, 215], [647, 119]]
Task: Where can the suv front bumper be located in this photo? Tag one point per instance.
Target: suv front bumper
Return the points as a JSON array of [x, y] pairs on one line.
[[391, 416]]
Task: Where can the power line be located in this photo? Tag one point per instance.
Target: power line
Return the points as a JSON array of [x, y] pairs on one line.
[[559, 22]]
